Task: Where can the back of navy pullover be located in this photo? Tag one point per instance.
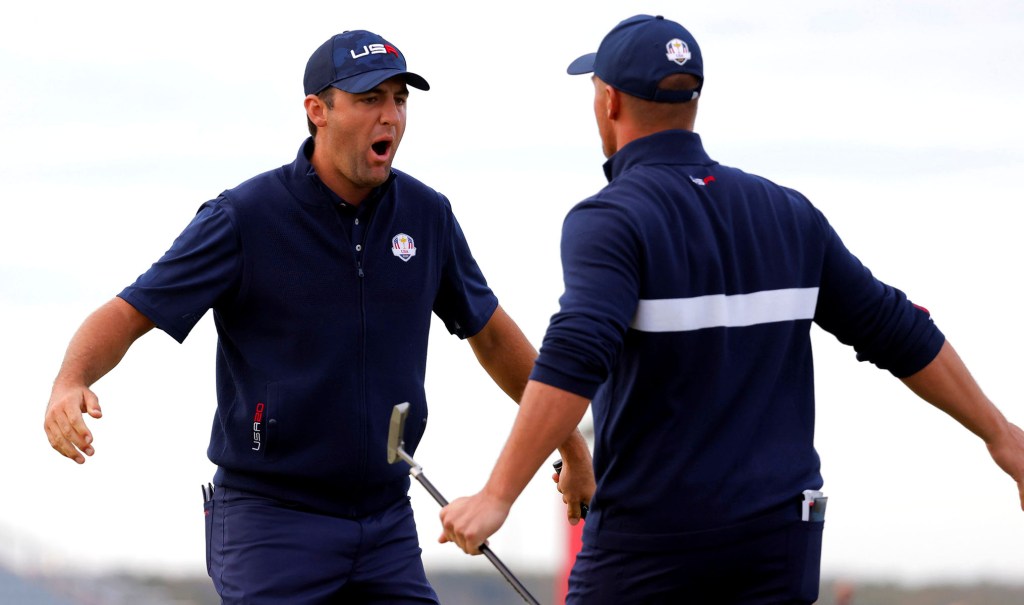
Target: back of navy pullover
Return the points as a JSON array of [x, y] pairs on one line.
[[690, 288], [322, 328]]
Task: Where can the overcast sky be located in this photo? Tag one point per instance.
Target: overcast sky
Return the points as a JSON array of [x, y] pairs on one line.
[[900, 120]]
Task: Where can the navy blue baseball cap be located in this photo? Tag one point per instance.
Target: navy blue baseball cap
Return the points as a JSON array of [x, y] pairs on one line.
[[639, 53], [356, 61]]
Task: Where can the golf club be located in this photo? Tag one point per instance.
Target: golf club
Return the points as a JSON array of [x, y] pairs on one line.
[[584, 509], [396, 452]]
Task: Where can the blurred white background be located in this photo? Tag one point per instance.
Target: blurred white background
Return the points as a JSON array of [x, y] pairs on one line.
[[900, 120]]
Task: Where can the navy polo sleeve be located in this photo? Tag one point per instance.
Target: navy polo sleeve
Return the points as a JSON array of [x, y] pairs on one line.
[[600, 269], [201, 268], [878, 320], [464, 300]]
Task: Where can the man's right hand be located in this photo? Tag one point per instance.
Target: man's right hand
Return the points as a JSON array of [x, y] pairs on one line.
[[65, 421], [1008, 453], [97, 346]]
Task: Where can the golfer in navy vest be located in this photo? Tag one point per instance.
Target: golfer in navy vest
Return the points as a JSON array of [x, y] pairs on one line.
[[690, 290], [323, 276]]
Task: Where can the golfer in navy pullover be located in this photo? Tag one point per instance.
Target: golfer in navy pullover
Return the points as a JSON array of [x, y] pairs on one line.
[[690, 290], [322, 276]]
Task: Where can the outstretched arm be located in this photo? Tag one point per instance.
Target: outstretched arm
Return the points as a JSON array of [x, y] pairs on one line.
[[948, 385], [503, 350], [98, 345]]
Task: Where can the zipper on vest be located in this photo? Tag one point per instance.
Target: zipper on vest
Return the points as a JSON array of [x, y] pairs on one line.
[[363, 411], [350, 239]]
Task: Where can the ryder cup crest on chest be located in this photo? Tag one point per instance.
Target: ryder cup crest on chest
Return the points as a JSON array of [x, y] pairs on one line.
[[403, 246]]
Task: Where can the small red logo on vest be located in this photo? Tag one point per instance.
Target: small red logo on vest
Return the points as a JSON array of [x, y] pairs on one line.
[[257, 427]]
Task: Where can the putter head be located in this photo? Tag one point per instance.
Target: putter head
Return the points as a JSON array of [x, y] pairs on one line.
[[396, 432]]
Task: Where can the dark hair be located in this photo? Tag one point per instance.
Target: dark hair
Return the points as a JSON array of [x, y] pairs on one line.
[[679, 82], [658, 115], [326, 97]]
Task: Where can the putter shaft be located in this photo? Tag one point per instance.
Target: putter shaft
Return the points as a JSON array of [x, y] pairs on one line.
[[396, 452], [417, 472]]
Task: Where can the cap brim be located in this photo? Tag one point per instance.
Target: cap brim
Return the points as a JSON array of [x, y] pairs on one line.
[[583, 65], [369, 80]]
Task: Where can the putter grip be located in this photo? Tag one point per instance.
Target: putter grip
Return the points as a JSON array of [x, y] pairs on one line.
[[584, 509]]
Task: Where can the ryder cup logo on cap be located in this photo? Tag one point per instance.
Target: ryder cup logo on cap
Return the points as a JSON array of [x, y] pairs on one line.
[[356, 61], [642, 51], [678, 51]]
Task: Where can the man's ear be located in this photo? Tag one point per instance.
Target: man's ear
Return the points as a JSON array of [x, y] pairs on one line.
[[316, 111], [613, 102]]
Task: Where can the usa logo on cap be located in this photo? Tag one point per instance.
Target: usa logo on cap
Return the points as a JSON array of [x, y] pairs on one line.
[[403, 247], [678, 51]]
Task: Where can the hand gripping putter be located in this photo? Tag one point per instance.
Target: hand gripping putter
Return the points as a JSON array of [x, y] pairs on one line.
[[396, 452]]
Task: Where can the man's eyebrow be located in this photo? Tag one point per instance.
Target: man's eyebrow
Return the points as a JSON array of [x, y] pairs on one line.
[[377, 90]]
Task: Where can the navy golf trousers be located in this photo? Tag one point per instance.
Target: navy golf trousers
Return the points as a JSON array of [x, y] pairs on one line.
[[261, 551], [772, 560]]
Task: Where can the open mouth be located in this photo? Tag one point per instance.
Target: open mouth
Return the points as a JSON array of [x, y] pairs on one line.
[[381, 147]]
